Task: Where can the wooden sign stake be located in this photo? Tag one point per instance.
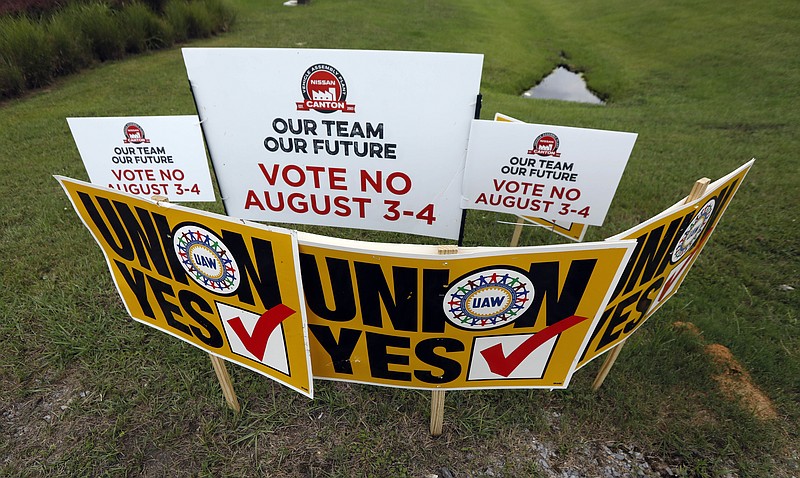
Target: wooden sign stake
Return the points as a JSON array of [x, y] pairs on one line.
[[225, 382], [517, 232], [698, 190], [437, 412], [219, 365], [437, 396]]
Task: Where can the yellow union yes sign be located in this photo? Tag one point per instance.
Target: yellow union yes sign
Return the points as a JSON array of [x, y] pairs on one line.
[[403, 316], [228, 287], [666, 247]]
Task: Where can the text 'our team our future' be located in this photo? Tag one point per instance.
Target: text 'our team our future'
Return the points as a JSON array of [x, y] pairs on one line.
[[355, 132]]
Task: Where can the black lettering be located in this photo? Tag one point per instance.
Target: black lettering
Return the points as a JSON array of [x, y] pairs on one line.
[[261, 276], [119, 241], [380, 358], [340, 351], [426, 352], [643, 304], [138, 285], [144, 238], [619, 317], [170, 310], [722, 200], [557, 305], [344, 301], [373, 290], [652, 255], [603, 319], [212, 336], [178, 273], [435, 283]]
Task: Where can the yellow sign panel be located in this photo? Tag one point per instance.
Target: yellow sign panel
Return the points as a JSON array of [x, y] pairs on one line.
[[666, 247], [481, 318], [226, 286]]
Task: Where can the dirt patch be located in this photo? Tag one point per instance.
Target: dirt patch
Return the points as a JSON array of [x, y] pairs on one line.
[[693, 329], [734, 380], [736, 384]]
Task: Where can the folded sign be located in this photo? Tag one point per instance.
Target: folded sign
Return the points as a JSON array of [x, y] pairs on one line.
[[228, 287], [666, 247]]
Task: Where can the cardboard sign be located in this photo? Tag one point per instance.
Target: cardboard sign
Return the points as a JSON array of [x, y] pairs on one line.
[[146, 156], [346, 138], [403, 316], [552, 172], [226, 286], [666, 247], [569, 230]]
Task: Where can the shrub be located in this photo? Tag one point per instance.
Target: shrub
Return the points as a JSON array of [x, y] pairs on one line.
[[176, 12], [24, 44], [156, 5], [11, 80], [97, 21], [223, 14], [143, 29], [31, 7], [70, 38], [71, 48], [201, 23]]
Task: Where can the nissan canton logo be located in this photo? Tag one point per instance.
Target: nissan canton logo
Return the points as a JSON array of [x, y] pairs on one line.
[[324, 90], [546, 144]]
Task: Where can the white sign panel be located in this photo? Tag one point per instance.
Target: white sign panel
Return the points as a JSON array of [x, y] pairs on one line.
[[146, 156], [551, 172], [347, 138]]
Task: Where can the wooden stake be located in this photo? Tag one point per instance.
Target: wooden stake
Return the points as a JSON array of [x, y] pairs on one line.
[[225, 382], [606, 367], [437, 412], [437, 396], [698, 190], [219, 365], [517, 232]]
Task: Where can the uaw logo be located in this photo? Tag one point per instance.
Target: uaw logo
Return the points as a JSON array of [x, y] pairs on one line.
[[134, 134], [324, 90], [546, 144], [206, 259], [694, 231], [488, 299]]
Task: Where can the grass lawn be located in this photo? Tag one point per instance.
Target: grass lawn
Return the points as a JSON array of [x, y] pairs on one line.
[[707, 85]]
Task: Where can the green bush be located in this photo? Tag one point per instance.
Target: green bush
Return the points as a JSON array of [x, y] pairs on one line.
[[98, 22], [25, 44], [11, 80], [71, 47], [177, 14], [32, 53], [201, 23], [223, 14], [143, 29], [156, 5]]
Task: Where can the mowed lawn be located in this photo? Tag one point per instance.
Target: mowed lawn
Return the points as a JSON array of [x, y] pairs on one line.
[[86, 391]]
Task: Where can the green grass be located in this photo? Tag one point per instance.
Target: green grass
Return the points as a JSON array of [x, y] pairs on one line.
[[706, 85]]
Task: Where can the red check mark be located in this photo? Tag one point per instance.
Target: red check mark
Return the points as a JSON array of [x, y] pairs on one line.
[[504, 365], [674, 276], [256, 344]]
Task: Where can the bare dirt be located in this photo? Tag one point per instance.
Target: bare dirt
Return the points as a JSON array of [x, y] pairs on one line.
[[734, 381]]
